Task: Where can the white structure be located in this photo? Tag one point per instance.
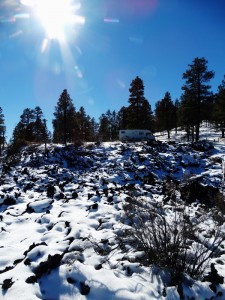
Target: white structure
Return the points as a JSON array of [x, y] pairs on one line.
[[136, 135]]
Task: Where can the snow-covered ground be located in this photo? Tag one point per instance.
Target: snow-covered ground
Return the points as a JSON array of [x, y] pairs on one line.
[[208, 132], [61, 215]]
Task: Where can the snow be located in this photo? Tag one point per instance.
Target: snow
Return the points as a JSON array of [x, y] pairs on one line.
[[66, 246]]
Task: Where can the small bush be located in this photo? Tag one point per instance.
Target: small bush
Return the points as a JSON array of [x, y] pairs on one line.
[[169, 242]]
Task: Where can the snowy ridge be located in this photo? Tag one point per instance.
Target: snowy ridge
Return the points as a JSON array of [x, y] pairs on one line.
[[61, 215]]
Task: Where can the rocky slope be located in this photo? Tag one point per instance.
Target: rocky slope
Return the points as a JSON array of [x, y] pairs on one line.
[[62, 216]]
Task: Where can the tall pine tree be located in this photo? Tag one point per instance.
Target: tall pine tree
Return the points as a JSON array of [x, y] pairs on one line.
[[64, 121], [122, 117], [176, 106], [186, 118], [85, 126], [39, 126], [197, 90], [139, 113], [104, 128], [165, 114]]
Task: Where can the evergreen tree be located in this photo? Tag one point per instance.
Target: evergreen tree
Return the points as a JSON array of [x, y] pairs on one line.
[[176, 106], [90, 129], [64, 125], [94, 130], [165, 114], [46, 135], [219, 108], [197, 89], [39, 126], [83, 124], [86, 126], [114, 125], [139, 113], [208, 108], [104, 128], [122, 117], [23, 132], [80, 120], [2, 130], [185, 115], [31, 128], [109, 126]]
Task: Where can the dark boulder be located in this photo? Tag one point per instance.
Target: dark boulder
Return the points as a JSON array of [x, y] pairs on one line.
[[84, 288], [194, 190], [7, 283]]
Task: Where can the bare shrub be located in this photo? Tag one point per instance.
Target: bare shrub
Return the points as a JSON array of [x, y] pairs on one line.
[[170, 242]]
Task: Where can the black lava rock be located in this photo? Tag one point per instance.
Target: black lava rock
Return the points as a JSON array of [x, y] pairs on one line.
[[84, 288]]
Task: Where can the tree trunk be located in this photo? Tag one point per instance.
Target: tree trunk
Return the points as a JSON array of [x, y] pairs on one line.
[[192, 133], [197, 132], [188, 133], [168, 134]]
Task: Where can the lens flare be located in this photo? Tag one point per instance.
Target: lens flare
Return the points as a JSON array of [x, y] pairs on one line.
[[60, 22], [56, 16], [109, 20]]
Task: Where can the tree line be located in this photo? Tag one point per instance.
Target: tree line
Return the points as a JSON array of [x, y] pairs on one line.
[[197, 103]]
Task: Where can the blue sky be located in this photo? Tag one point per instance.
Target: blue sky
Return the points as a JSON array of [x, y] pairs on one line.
[[112, 42]]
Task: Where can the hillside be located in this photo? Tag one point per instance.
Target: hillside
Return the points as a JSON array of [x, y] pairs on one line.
[[66, 219]]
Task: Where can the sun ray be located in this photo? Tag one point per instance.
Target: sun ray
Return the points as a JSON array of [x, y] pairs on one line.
[[61, 23], [56, 16]]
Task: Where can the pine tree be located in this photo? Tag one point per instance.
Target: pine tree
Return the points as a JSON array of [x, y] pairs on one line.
[[186, 118], [82, 124], [23, 132], [219, 108], [94, 130], [197, 89], [104, 128], [46, 135], [109, 126], [85, 126], [165, 114], [64, 121], [122, 117], [30, 129], [176, 106], [37, 123], [89, 129], [139, 113], [114, 125], [39, 127], [2, 130]]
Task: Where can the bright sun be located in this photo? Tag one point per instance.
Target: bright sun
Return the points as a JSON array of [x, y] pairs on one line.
[[56, 15]]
